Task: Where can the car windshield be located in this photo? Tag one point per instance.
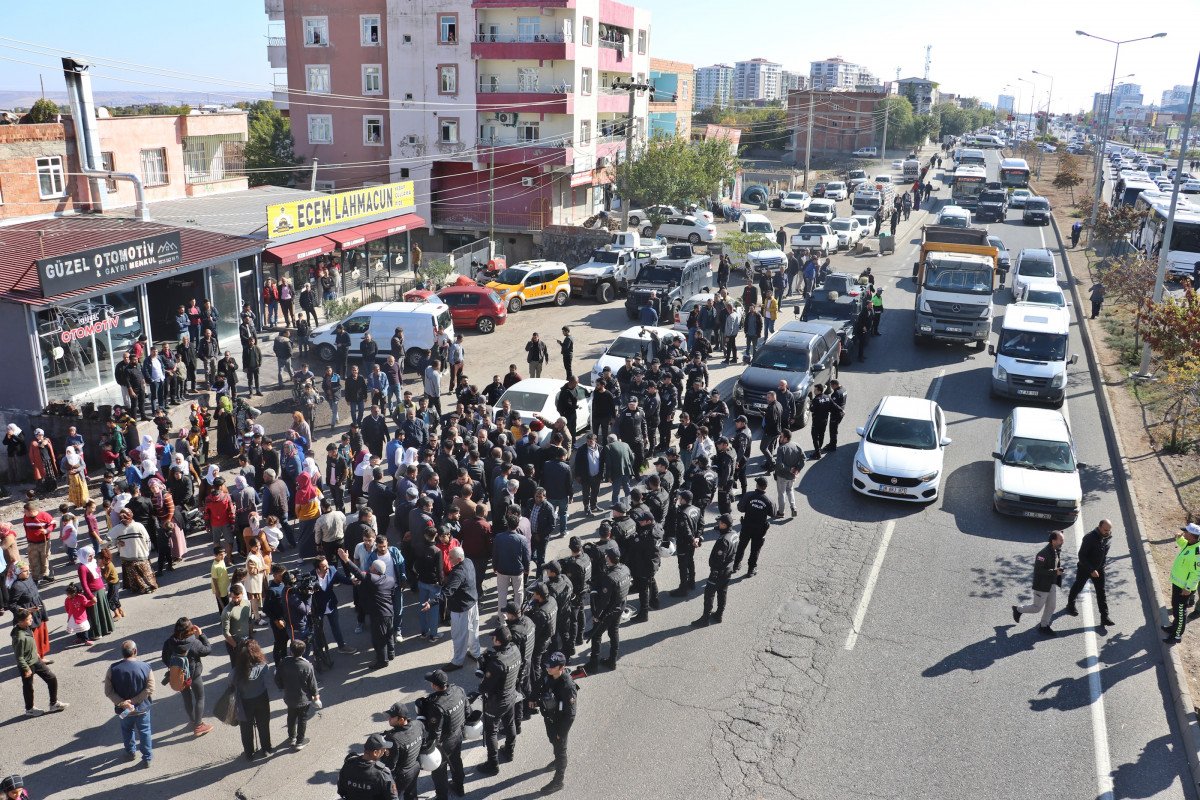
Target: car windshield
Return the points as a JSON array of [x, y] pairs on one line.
[[997, 243], [842, 284], [759, 227], [785, 359], [957, 279], [629, 347], [1048, 297], [837, 187], [953, 221], [841, 224], [1040, 455], [991, 197], [512, 276], [657, 273], [1037, 205], [1036, 268], [1022, 193], [525, 400], [914, 434], [601, 257], [827, 309], [795, 195], [1033, 346]]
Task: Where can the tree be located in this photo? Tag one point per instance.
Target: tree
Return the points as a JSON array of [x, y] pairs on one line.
[[1129, 280], [269, 147], [43, 110], [1068, 175], [1182, 384], [673, 171], [898, 114], [743, 244], [1172, 327], [1114, 224]]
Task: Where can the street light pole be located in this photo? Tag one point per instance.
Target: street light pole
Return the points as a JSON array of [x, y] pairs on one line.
[[1107, 115], [1164, 247], [1049, 100], [1032, 92]]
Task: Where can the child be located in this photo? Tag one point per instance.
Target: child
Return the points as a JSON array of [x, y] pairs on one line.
[[92, 525], [112, 581], [256, 568], [108, 487], [77, 622], [70, 533], [220, 578], [13, 788], [110, 459]]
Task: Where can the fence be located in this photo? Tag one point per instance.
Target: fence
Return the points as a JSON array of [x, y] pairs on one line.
[[478, 251]]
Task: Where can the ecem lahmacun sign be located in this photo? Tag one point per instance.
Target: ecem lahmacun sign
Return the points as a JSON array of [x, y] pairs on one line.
[[113, 262], [314, 213]]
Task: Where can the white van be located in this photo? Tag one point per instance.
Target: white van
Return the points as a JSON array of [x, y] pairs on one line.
[[420, 322], [1031, 355], [954, 217], [757, 223]]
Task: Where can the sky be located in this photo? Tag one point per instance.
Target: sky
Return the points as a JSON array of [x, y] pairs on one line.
[[978, 49]]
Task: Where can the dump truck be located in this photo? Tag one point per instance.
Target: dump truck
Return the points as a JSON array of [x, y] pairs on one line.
[[955, 276]]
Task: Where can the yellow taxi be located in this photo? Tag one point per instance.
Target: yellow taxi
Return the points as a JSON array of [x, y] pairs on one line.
[[532, 282]]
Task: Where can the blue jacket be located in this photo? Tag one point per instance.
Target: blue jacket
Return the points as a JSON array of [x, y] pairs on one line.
[[510, 553], [325, 600]]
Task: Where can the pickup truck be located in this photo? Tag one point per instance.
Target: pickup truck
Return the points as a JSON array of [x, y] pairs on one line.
[[816, 236], [856, 177], [840, 311], [632, 240], [610, 270]]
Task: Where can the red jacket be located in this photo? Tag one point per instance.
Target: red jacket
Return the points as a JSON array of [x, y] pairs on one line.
[[218, 510], [38, 527]]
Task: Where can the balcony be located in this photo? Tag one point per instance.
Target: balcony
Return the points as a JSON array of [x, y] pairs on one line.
[[274, 9], [616, 55], [277, 52], [486, 4], [543, 98], [214, 158], [279, 94], [612, 101], [529, 47], [549, 152]]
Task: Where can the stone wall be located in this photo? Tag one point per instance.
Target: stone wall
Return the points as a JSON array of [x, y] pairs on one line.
[[569, 244]]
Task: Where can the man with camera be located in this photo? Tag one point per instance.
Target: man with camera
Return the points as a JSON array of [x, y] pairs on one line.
[[297, 598], [499, 671], [612, 587]]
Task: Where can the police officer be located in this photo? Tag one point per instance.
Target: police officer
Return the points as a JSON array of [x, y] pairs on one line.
[[838, 395], [725, 467], [668, 401], [656, 499], [623, 530], [542, 610], [364, 777], [651, 407], [715, 411], [666, 478], [523, 634], [702, 481], [406, 737], [741, 449], [757, 510], [631, 429], [612, 587], [558, 705], [445, 712], [720, 567], [596, 551], [645, 562], [499, 671], [820, 406], [686, 533], [563, 590], [578, 569]]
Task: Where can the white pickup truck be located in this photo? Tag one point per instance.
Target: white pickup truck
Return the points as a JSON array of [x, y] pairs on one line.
[[610, 270], [815, 236]]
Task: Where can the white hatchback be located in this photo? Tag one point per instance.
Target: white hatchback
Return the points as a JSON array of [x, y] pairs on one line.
[[1036, 474], [901, 450]]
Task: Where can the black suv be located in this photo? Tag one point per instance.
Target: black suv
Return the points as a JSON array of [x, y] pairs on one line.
[[993, 205], [672, 280], [1037, 211], [801, 353], [841, 311]]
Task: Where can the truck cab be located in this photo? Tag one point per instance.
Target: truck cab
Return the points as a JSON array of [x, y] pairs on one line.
[[955, 277], [609, 271]]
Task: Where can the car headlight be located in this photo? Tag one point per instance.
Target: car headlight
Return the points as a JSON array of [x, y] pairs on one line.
[[1006, 495], [1058, 381], [861, 467], [1068, 504], [738, 392], [928, 477], [925, 307], [1001, 373], [985, 312]]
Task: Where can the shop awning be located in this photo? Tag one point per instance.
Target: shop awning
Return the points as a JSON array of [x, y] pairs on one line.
[[286, 254], [361, 234]]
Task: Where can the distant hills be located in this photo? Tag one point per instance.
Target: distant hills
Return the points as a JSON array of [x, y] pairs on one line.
[[10, 99]]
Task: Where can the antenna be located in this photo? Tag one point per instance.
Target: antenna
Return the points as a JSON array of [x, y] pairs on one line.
[[928, 56]]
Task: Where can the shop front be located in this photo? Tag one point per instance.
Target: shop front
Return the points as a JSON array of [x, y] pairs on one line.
[[79, 292]]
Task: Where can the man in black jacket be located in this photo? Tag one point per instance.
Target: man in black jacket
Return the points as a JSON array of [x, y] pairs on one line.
[[566, 402], [686, 533], [720, 567], [462, 600], [838, 395], [757, 511], [499, 670], [374, 430], [1047, 577], [772, 424], [185, 354], [251, 364], [644, 563], [406, 736], [608, 602], [524, 636], [445, 712], [604, 411], [566, 346], [1093, 553], [542, 611], [558, 706], [559, 486], [378, 592]]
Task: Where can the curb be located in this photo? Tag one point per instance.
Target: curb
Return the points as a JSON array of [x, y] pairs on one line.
[[1181, 696]]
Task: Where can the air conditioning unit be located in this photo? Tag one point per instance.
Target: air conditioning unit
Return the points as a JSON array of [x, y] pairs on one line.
[[506, 117], [412, 138], [527, 183]]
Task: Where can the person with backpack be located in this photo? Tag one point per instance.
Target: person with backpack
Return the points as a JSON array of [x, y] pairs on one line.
[[181, 654]]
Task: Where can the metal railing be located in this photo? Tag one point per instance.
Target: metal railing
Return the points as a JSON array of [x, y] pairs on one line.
[[557, 144], [521, 38], [489, 84], [227, 161], [276, 41]]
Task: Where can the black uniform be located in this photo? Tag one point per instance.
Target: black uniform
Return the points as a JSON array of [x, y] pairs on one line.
[[523, 637], [644, 567], [578, 569], [668, 401], [720, 567], [558, 710], [703, 485], [563, 591], [741, 450], [608, 601], [361, 779], [567, 348], [726, 470], [545, 626], [401, 758], [445, 713], [501, 672], [686, 528], [631, 429], [1093, 553], [838, 396], [757, 510], [820, 408]]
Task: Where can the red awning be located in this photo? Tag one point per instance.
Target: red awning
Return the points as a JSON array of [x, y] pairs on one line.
[[361, 234], [292, 252]]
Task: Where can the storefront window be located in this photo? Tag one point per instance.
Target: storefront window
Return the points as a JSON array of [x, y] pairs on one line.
[[81, 343], [397, 253], [223, 280]]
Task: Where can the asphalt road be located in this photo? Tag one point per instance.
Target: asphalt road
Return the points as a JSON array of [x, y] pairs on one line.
[[941, 695]]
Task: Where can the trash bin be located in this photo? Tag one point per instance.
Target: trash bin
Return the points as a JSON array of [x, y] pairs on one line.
[[887, 243]]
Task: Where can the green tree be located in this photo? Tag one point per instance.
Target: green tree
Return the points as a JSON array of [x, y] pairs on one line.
[[269, 148], [1114, 225], [741, 245], [898, 114], [43, 111], [673, 171], [955, 121]]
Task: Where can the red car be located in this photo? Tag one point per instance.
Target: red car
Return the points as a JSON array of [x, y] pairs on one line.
[[471, 305]]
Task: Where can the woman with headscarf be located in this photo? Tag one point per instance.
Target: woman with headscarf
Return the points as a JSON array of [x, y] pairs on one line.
[[76, 472], [314, 472], [14, 442], [164, 511], [206, 483], [308, 509], [95, 590], [245, 501], [226, 429], [45, 466], [180, 483]]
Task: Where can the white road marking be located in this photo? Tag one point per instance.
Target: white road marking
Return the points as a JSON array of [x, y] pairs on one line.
[[861, 612]]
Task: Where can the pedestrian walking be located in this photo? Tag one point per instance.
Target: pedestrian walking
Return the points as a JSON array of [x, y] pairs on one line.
[[558, 706], [250, 688], [789, 461], [297, 679], [129, 685], [181, 656], [1047, 577], [501, 671], [1093, 553], [1076, 232], [1185, 575], [1096, 293]]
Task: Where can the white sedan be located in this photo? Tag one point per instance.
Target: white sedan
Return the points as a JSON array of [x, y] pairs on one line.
[[848, 231], [897, 165], [836, 190], [534, 398], [794, 201], [901, 450]]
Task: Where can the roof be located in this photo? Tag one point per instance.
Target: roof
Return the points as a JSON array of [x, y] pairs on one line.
[[1039, 422], [399, 308], [910, 407], [25, 242]]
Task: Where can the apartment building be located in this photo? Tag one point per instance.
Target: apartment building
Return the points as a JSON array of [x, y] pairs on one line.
[[714, 86], [837, 73], [842, 121], [757, 80], [670, 112], [1006, 102], [922, 93], [791, 81]]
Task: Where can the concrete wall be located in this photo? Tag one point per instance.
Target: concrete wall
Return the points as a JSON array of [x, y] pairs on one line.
[[573, 246], [18, 361]]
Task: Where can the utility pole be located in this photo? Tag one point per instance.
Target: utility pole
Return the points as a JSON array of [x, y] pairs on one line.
[[808, 139], [633, 89], [492, 194], [312, 181], [887, 110], [42, 81]]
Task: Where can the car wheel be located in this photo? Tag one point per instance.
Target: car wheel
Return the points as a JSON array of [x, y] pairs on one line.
[[414, 357], [486, 325], [647, 231], [634, 220], [605, 293], [694, 238], [514, 305], [560, 299], [325, 352]]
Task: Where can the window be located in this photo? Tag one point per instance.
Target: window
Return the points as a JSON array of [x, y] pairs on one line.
[[316, 31], [448, 131], [641, 43], [369, 27], [447, 79], [325, 186], [106, 163], [585, 31], [585, 81], [154, 166], [404, 172], [585, 132], [527, 79], [320, 129], [316, 78], [51, 179], [372, 79], [528, 131], [373, 130], [529, 28], [447, 28]]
